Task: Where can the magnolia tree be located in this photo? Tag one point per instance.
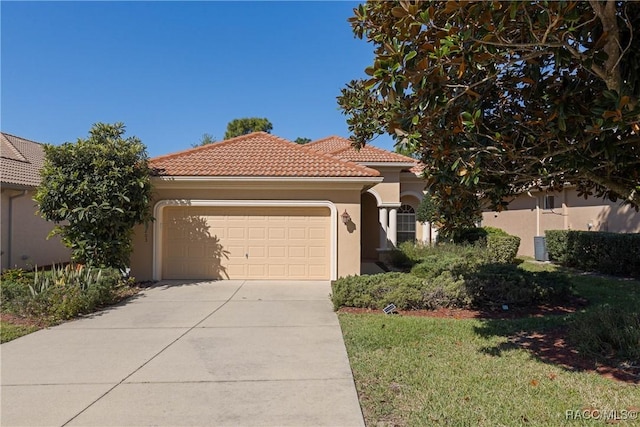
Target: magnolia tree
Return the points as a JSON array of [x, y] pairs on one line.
[[498, 98], [97, 189]]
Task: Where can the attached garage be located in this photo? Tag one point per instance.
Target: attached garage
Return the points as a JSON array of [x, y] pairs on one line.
[[246, 242], [254, 207]]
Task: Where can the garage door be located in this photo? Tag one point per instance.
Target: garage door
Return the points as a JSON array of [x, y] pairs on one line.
[[246, 243]]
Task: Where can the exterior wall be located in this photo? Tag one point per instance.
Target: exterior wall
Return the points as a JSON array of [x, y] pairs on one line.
[[412, 187], [371, 229], [389, 189], [519, 220], [526, 217], [599, 215], [344, 197], [29, 246]]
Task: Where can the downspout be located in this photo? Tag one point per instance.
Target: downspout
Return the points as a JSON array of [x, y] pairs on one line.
[[565, 209], [537, 212], [10, 237]]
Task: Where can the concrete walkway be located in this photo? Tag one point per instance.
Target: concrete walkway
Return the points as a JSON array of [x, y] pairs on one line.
[[229, 353]]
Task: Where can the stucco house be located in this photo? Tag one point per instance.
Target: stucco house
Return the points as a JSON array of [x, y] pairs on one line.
[[24, 234], [262, 207], [531, 214]]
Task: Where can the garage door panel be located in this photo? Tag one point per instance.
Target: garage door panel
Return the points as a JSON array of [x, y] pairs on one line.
[[277, 233], [317, 233], [257, 233], [234, 270], [212, 242], [297, 270], [277, 251], [257, 252], [235, 251], [318, 252], [297, 233], [256, 271], [196, 250], [277, 270], [316, 271], [298, 252], [235, 233]]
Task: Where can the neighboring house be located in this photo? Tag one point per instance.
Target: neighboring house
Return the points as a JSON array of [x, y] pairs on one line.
[[24, 233], [531, 214], [261, 207]]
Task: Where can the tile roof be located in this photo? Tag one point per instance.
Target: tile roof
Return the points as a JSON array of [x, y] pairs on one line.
[[343, 149], [257, 154], [330, 144], [20, 161]]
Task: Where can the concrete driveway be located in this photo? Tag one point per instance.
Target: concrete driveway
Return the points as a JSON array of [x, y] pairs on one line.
[[222, 353]]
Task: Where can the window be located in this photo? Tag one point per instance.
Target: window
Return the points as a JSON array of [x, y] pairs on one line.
[[549, 202], [406, 224]]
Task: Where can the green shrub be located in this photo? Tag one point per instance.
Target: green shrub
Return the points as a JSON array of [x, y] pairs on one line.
[[502, 249], [399, 259], [61, 293], [456, 264], [495, 231], [483, 286], [409, 253], [412, 250], [557, 242], [445, 290], [609, 253], [14, 287], [607, 332], [469, 235], [406, 291], [375, 291], [494, 285]]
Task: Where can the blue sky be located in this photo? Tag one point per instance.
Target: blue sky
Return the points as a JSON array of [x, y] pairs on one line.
[[172, 71]]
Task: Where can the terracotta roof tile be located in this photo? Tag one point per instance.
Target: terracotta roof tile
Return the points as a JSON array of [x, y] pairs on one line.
[[257, 154], [20, 160], [343, 149], [417, 169], [330, 144]]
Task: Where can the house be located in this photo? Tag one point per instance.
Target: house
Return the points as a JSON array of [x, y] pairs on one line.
[[531, 214], [24, 233], [262, 207]]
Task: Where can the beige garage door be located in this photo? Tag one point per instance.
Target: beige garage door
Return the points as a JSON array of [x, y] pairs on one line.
[[246, 243]]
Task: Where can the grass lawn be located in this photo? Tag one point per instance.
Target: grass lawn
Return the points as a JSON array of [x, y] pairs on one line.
[[10, 331], [420, 371]]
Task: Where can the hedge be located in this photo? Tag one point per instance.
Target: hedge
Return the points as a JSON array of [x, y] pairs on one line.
[[488, 286], [610, 253], [503, 249]]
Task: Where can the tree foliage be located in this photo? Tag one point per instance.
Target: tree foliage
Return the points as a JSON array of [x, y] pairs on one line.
[[302, 140], [99, 188], [499, 97], [205, 139], [238, 127]]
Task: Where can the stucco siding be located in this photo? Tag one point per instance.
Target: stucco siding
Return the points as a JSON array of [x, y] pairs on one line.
[[25, 244], [370, 227], [527, 217], [389, 189], [519, 220], [601, 215]]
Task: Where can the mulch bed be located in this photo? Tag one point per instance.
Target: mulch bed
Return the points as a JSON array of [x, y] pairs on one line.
[[21, 321], [549, 346]]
